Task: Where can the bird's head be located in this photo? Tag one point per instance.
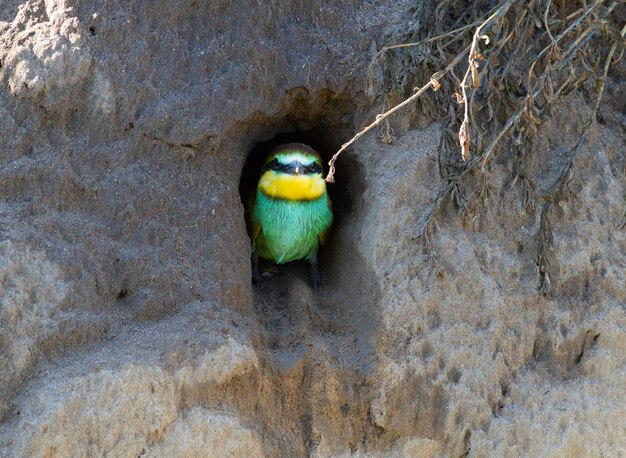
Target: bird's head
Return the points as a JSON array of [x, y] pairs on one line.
[[293, 172], [294, 159]]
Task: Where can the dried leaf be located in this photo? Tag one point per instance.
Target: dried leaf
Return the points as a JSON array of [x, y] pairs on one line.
[[475, 78], [464, 140]]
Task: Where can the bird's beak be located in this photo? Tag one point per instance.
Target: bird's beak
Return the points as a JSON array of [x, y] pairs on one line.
[[299, 169]]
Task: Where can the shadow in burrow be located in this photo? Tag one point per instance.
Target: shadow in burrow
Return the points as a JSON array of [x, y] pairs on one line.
[[339, 319]]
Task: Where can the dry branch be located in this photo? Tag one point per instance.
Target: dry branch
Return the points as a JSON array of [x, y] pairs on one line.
[[545, 232], [434, 83], [472, 65], [540, 51]]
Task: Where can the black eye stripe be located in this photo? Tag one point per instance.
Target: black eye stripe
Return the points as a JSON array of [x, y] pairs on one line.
[[313, 167], [277, 166]]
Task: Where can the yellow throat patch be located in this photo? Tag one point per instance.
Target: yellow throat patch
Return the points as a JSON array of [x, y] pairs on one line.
[[292, 187]]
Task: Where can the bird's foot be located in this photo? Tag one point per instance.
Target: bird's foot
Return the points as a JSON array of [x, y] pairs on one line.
[[260, 275], [269, 272]]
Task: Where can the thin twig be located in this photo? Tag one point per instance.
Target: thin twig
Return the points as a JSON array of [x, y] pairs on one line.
[[605, 73], [434, 83], [573, 25], [545, 20], [515, 116], [380, 53], [464, 134], [510, 123], [544, 235]]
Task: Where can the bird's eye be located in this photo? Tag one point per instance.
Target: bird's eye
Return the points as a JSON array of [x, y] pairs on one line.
[[275, 165], [314, 167]]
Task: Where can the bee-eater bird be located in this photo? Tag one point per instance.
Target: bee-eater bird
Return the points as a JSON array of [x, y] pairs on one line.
[[290, 212]]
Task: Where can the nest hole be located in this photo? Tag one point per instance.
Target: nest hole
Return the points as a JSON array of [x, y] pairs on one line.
[[325, 140]]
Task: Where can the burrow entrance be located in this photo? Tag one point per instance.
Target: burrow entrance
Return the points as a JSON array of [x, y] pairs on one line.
[[344, 193], [317, 346], [341, 310]]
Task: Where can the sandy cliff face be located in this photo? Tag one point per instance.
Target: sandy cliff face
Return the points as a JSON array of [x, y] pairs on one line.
[[128, 322]]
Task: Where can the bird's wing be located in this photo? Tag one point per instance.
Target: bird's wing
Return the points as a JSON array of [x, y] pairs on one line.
[[255, 230], [323, 235]]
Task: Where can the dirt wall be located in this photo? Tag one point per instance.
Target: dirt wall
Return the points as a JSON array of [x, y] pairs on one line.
[[129, 325]]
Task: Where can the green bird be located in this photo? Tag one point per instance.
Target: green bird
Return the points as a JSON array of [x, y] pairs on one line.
[[291, 212]]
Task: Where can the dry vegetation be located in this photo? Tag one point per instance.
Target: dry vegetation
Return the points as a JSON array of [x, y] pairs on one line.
[[492, 71]]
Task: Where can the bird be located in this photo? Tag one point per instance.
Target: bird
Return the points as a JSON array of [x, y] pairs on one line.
[[291, 213]]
